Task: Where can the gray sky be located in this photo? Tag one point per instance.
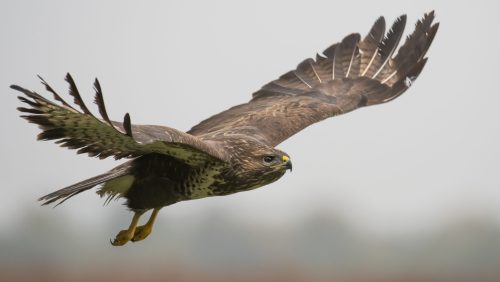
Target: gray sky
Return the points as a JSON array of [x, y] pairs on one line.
[[407, 166]]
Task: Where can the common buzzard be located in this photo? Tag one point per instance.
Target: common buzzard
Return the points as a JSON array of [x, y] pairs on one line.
[[234, 150]]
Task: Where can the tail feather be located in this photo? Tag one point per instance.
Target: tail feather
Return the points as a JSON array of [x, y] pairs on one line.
[[68, 192]]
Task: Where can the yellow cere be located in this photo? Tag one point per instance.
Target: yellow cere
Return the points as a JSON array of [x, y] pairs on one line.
[[286, 159]]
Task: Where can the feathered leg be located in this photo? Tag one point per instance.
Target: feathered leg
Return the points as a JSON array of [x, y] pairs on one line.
[[126, 235], [143, 231]]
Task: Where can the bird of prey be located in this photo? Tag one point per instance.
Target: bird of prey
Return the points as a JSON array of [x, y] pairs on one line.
[[234, 150]]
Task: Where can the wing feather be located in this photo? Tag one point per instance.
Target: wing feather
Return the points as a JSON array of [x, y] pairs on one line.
[[324, 67], [99, 101], [349, 75], [127, 124], [414, 48], [389, 44], [306, 71], [83, 131], [369, 45], [346, 60], [57, 97], [73, 91]]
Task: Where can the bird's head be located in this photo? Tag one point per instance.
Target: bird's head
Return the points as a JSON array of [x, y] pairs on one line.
[[276, 160], [258, 163]]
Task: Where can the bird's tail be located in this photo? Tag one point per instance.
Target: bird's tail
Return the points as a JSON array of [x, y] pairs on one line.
[[65, 193]]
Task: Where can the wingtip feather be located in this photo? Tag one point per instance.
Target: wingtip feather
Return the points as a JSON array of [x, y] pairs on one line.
[[17, 87], [127, 125]]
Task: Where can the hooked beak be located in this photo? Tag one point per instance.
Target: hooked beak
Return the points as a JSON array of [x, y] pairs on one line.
[[288, 163]]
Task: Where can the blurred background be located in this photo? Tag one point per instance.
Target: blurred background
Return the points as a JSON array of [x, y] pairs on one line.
[[406, 191]]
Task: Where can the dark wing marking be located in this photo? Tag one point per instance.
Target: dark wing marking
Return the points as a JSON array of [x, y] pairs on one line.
[[88, 134], [349, 75], [127, 125], [73, 91], [99, 101]]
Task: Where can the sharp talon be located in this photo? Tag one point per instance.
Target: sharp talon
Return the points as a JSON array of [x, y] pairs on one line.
[[123, 237], [113, 242]]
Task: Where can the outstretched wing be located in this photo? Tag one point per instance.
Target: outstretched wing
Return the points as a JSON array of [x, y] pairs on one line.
[[351, 74], [104, 138]]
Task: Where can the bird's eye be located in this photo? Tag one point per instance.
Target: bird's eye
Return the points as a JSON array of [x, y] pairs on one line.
[[268, 159]]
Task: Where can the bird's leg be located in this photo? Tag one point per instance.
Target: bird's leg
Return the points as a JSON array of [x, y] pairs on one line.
[[126, 235], [143, 231]]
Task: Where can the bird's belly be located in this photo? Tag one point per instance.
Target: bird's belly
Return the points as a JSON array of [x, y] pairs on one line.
[[152, 192]]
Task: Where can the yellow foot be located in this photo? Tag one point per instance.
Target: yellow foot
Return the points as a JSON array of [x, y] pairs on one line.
[[142, 232], [122, 237]]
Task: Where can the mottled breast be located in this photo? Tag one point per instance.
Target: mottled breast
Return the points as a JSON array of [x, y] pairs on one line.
[[202, 181]]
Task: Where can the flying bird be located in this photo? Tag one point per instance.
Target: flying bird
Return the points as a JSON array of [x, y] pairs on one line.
[[234, 150]]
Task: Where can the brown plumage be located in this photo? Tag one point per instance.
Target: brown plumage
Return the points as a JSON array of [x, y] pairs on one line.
[[234, 150]]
